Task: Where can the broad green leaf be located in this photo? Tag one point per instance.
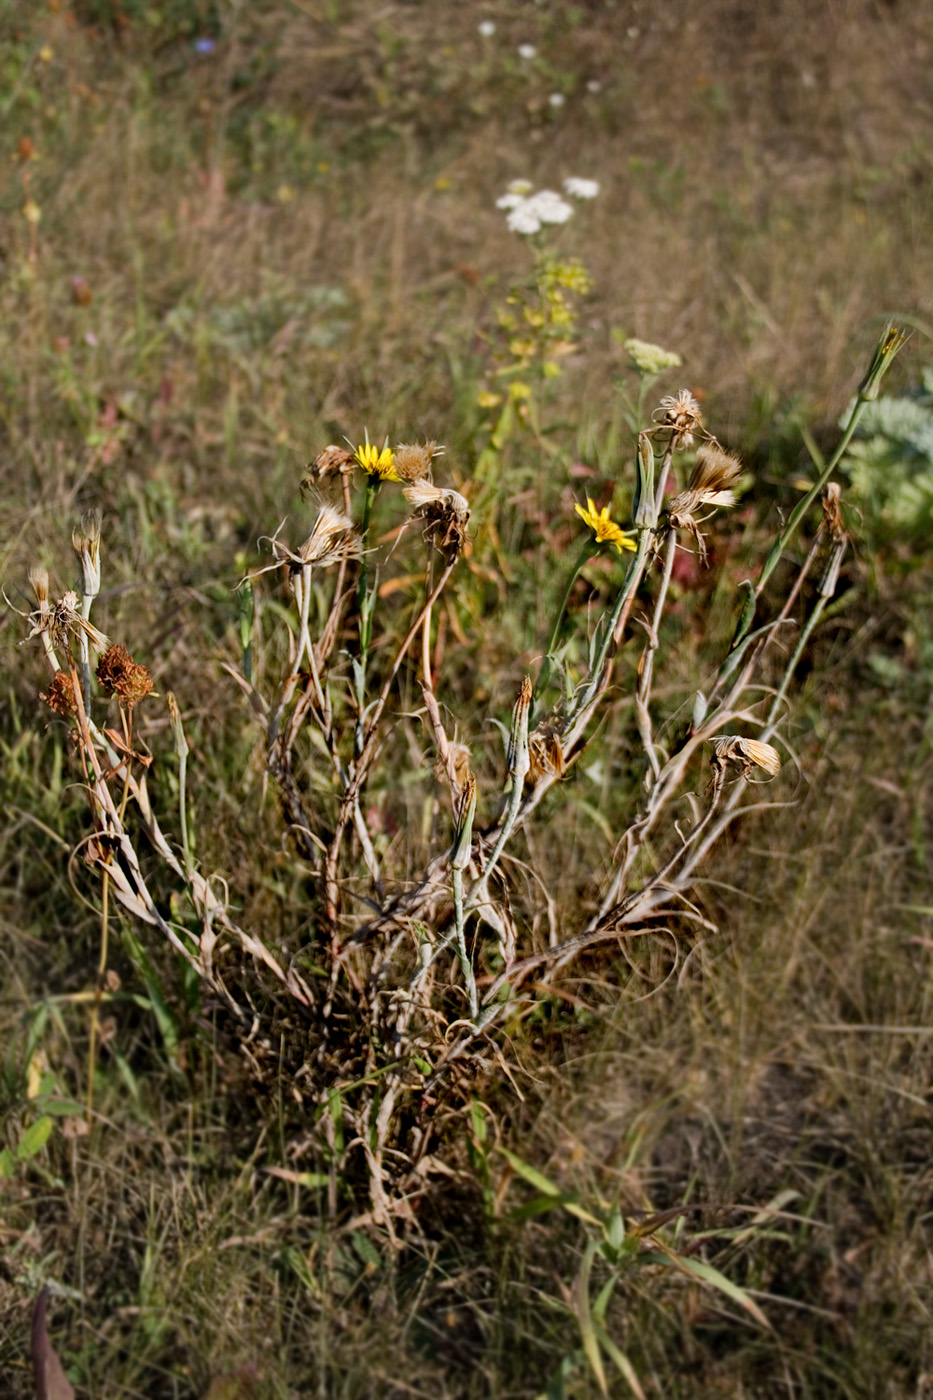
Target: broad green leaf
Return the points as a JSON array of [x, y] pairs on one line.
[[34, 1138]]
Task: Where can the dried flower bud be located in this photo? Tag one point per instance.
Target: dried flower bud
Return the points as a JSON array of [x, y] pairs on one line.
[[457, 768], [118, 674], [39, 583], [60, 696], [463, 837], [517, 759], [832, 512], [86, 544]]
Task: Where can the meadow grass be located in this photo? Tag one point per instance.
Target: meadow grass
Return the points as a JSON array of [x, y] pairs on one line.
[[218, 262]]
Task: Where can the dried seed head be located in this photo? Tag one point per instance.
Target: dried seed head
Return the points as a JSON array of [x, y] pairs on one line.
[[832, 513], [715, 474], [546, 752], [413, 459], [465, 810], [681, 413], [60, 696], [118, 674], [63, 622], [332, 539], [331, 461], [446, 512], [747, 753], [86, 543]]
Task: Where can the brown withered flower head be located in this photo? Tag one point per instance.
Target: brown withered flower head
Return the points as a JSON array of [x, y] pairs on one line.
[[446, 513], [832, 513], [332, 461], [60, 695], [680, 413], [413, 459], [457, 768], [712, 483], [118, 674]]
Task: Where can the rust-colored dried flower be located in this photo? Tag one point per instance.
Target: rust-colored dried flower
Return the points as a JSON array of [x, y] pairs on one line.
[[60, 695], [413, 459], [118, 674], [446, 512]]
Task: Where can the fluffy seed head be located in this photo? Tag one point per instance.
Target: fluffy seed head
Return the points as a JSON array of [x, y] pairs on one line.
[[413, 459], [446, 512], [332, 460], [39, 583], [681, 413]]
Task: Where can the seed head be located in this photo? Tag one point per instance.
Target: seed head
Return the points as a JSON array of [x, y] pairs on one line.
[[546, 752], [86, 543], [413, 459], [118, 674], [832, 513], [681, 413], [746, 753], [446, 512], [39, 583], [333, 460]]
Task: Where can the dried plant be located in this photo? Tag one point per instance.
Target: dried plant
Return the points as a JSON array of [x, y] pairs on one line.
[[412, 977]]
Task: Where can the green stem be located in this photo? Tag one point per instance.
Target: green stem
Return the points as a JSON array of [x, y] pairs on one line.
[[465, 965]]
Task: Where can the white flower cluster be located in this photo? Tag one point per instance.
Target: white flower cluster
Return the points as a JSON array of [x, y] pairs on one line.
[[526, 211]]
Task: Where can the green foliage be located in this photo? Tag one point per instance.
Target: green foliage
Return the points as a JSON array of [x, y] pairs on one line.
[[890, 466]]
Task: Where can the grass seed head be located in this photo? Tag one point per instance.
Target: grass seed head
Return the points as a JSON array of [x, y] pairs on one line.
[[118, 674]]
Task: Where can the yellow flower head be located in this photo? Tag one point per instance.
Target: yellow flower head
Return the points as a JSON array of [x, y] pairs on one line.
[[605, 530], [376, 462]]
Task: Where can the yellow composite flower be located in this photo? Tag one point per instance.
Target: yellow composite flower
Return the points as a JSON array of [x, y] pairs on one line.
[[377, 462], [605, 530]]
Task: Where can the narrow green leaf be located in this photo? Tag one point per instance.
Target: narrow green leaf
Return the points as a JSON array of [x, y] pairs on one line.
[[620, 1360], [585, 1319], [706, 1273], [530, 1174]]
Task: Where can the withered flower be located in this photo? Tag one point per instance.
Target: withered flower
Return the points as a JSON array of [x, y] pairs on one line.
[[118, 674], [712, 481], [745, 753], [413, 459], [546, 752], [332, 539], [63, 621], [331, 461], [457, 768], [680, 413], [60, 695], [446, 512], [832, 513]]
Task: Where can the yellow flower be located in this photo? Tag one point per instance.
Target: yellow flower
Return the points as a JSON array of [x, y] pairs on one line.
[[605, 530], [377, 463]]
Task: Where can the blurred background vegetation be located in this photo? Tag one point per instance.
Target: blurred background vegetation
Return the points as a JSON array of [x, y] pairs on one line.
[[231, 233]]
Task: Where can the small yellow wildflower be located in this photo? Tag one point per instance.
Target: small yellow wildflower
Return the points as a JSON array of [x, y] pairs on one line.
[[377, 463], [518, 390], [487, 399], [605, 529]]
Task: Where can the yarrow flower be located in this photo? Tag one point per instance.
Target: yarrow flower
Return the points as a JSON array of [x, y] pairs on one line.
[[650, 359], [487, 28], [527, 212], [377, 462], [527, 51], [605, 529], [580, 188]]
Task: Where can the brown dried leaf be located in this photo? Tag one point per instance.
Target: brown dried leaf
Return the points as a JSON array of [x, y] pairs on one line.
[[48, 1372]]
